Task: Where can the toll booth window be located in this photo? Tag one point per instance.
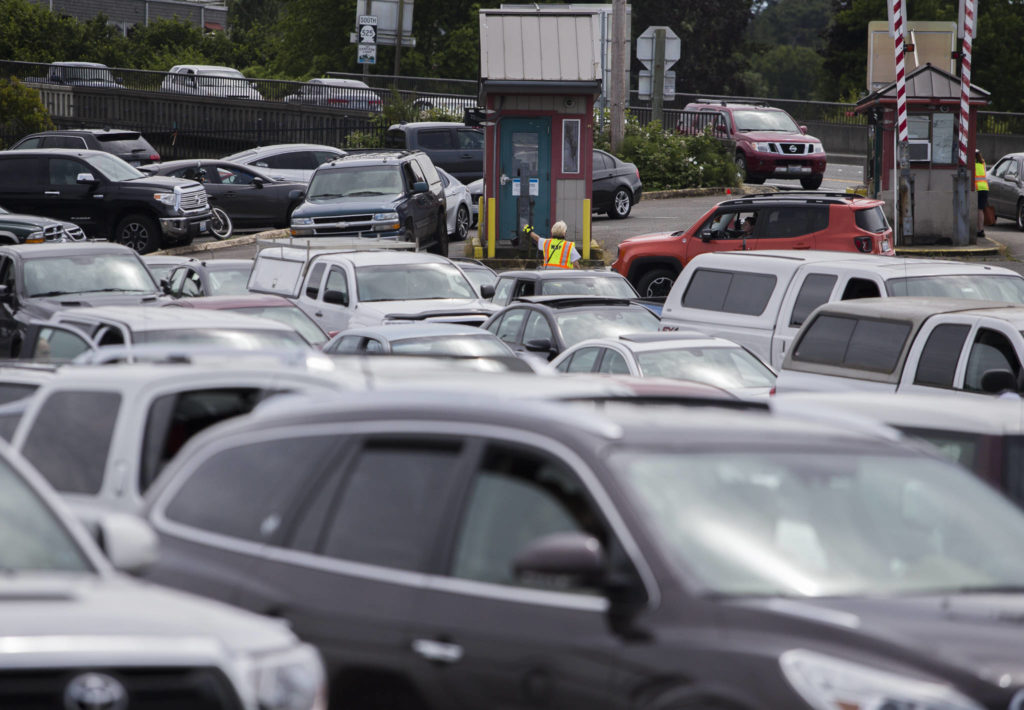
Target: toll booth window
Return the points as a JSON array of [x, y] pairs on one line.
[[932, 136]]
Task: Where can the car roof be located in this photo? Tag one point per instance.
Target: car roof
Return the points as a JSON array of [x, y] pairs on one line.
[[278, 148], [78, 64], [42, 251], [90, 131], [386, 257], [803, 197], [675, 340], [165, 259], [145, 318], [213, 162], [574, 301], [384, 156], [223, 264], [920, 308], [249, 300], [203, 66], [77, 152], [545, 274], [335, 81], [428, 124], [888, 266], [402, 331]]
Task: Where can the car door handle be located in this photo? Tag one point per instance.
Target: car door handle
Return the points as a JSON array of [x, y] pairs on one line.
[[318, 314], [437, 651], [52, 192]]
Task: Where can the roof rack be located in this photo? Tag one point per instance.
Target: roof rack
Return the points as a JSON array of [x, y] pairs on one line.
[[728, 102], [808, 196]]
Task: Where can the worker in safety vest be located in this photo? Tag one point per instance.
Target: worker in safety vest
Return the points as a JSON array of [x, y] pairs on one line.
[[981, 185], [559, 252]]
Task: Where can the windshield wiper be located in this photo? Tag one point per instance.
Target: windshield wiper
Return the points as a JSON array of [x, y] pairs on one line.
[[114, 290], [325, 194], [366, 192], [48, 294]]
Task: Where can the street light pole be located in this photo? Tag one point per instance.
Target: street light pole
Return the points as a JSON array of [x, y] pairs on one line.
[[618, 88]]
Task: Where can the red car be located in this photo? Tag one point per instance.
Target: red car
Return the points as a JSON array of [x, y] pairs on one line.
[[264, 306], [784, 220]]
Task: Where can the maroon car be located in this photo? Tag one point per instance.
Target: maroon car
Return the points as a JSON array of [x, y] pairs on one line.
[[264, 306]]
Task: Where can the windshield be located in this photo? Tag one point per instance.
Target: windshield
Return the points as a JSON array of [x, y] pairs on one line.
[[86, 273], [764, 121], [480, 277], [31, 536], [113, 168], [290, 316], [729, 368], [581, 324], [484, 345], [356, 182], [988, 287], [815, 523], [412, 282], [217, 77], [229, 282], [611, 287], [237, 338], [90, 74]]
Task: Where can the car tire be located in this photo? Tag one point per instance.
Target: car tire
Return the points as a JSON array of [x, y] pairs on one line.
[[1020, 215], [656, 283], [138, 231], [220, 224], [440, 241], [811, 183], [741, 166], [462, 220], [622, 204]]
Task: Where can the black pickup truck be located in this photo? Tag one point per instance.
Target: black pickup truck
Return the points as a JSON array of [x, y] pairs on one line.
[[105, 196]]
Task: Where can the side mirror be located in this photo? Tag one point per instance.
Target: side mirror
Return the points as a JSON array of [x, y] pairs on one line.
[[296, 195], [567, 553], [706, 235], [258, 182], [338, 298], [538, 345], [86, 179], [165, 286], [487, 291], [418, 187], [5, 293], [996, 381], [803, 129], [128, 542]]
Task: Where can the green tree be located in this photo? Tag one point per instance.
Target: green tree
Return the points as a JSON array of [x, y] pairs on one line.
[[21, 112], [800, 23], [789, 72], [998, 55]]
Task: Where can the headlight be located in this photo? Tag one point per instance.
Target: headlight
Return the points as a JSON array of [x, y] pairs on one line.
[[35, 237], [166, 197], [293, 680], [829, 683], [302, 220], [816, 148], [385, 217], [763, 147]]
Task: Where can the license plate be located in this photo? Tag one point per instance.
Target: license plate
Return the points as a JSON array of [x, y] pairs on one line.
[[203, 225], [799, 169], [136, 163], [885, 245]]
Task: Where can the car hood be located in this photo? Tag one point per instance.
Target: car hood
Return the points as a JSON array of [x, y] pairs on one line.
[[654, 237], [347, 205], [778, 137], [29, 220], [89, 605], [979, 635], [436, 308], [46, 307], [162, 182]]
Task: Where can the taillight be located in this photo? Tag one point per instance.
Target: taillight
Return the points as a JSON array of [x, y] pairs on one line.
[[771, 392], [155, 158], [864, 244]]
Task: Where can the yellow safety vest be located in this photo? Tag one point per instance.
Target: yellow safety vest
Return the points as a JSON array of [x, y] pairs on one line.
[[558, 253], [980, 181]]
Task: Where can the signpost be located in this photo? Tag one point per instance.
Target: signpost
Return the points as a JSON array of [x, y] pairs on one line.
[[658, 48], [902, 211], [367, 50], [965, 170]]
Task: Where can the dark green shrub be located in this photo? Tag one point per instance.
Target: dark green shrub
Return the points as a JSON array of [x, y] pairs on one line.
[[21, 112]]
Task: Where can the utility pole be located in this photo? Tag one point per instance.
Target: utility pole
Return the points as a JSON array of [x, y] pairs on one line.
[[658, 77], [398, 38], [618, 88]]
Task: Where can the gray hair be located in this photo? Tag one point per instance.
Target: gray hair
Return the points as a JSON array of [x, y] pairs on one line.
[[558, 229]]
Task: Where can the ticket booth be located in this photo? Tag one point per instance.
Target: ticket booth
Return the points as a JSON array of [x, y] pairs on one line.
[[540, 75], [933, 110]]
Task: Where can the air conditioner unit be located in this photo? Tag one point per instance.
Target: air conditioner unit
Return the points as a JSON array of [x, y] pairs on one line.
[[920, 151]]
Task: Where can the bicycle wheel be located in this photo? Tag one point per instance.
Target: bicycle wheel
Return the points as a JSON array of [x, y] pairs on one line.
[[220, 224]]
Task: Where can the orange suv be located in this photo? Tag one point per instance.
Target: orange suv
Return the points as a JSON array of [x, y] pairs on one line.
[[766, 141], [785, 220]]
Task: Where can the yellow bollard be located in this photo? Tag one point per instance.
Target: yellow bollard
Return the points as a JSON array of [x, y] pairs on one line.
[[586, 230], [492, 227]]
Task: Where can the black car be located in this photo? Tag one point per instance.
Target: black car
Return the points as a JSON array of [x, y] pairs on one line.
[[620, 556], [617, 185], [250, 196], [104, 196], [129, 146], [390, 194], [512, 285], [1006, 188], [547, 325], [31, 229], [209, 277], [454, 147]]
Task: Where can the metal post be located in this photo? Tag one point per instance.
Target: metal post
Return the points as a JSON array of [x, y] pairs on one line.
[[618, 93], [492, 227], [586, 230], [604, 71], [398, 36], [369, 11], [658, 77]]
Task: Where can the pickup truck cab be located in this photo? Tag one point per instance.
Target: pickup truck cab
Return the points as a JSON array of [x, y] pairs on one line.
[[922, 345], [760, 299], [348, 289]]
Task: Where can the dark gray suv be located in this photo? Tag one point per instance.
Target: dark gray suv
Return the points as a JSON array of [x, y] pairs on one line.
[[391, 194], [635, 556]]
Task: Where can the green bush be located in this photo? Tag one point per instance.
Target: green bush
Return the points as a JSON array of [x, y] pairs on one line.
[[21, 112]]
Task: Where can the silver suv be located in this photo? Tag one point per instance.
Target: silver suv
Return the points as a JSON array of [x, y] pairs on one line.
[[75, 634]]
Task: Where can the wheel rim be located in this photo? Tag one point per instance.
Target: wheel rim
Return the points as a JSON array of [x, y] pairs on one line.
[[135, 235], [659, 287], [1020, 216], [741, 167], [622, 203], [219, 224], [462, 223]]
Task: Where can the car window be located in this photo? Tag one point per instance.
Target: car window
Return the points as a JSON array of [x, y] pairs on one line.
[[814, 291], [729, 291], [346, 344], [582, 360], [63, 171], [503, 291], [270, 474], [861, 343], [508, 331], [416, 170], [373, 345], [21, 171], [192, 284], [30, 143], [429, 171], [323, 156], [792, 220], [940, 355], [73, 462], [518, 497], [13, 391], [395, 138], [316, 275], [59, 345], [177, 279], [613, 363], [391, 501], [436, 139], [72, 142], [871, 220], [537, 327], [1012, 172], [602, 161], [470, 139], [297, 160], [234, 176], [860, 288], [991, 350], [175, 418], [1001, 167], [337, 281]]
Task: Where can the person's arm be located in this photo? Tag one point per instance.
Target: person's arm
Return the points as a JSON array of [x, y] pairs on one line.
[[528, 230]]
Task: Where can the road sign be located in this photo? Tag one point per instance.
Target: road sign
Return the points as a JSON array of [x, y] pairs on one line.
[[368, 29], [367, 53], [668, 91], [645, 46]]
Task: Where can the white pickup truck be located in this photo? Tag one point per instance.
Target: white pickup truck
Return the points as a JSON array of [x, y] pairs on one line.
[[760, 298], [919, 345], [347, 289]]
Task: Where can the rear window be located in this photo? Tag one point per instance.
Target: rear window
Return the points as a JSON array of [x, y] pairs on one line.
[[729, 291], [395, 139], [433, 140], [871, 220], [858, 343]]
